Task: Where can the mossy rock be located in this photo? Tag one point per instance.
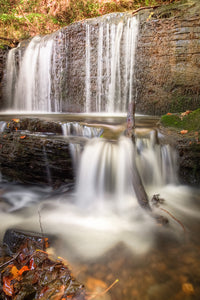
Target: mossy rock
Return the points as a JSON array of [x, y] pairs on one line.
[[186, 121]]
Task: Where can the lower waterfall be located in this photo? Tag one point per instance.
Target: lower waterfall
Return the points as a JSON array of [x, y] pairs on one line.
[[106, 169]]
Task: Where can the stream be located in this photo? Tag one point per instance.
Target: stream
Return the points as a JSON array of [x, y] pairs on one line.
[[100, 228]]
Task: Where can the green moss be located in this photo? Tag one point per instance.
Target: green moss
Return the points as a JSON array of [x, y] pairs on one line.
[[190, 122]]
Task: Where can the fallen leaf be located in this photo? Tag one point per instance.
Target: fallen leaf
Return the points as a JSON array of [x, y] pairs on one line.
[[184, 131], [7, 286], [16, 120], [187, 112], [23, 269], [188, 288], [14, 272], [22, 136]]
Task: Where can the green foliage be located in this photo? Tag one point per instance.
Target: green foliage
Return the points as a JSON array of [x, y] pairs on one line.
[[186, 121]]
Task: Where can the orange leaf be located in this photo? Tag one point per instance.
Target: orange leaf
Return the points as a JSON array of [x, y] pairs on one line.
[[15, 120], [14, 272], [7, 286], [23, 269], [22, 136], [184, 131], [46, 242]]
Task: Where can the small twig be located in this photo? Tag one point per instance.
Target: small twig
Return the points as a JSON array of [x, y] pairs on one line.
[[104, 292], [14, 257], [174, 218], [144, 7], [34, 27]]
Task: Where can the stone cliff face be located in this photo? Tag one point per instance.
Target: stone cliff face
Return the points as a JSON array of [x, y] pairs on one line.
[[91, 69], [168, 59]]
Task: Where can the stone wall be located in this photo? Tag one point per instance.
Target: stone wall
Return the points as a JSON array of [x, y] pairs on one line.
[[168, 59]]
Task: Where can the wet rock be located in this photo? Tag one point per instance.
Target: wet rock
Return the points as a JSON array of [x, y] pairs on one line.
[[34, 125], [30, 158]]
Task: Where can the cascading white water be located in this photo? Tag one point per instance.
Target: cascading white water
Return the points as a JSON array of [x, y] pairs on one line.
[[110, 173], [156, 163], [33, 87], [40, 75], [2, 125], [76, 129], [30, 77], [115, 64]]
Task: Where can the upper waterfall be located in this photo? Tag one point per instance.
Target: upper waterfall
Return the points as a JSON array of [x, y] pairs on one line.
[[84, 67]]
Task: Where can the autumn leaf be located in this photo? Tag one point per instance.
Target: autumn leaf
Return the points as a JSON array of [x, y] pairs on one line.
[[16, 120], [187, 112], [7, 286], [23, 269], [46, 241], [22, 137], [14, 272], [184, 131]]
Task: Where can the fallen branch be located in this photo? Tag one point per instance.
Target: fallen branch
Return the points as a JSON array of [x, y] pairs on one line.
[[178, 221], [104, 292], [144, 7], [34, 27]]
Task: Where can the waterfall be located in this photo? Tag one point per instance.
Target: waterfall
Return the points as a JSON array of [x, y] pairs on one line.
[[115, 52], [2, 126], [76, 129], [56, 73], [110, 172], [31, 84]]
